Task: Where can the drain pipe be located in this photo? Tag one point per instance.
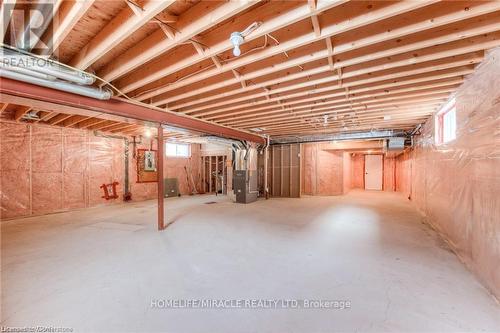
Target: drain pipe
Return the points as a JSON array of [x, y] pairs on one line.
[[126, 195]]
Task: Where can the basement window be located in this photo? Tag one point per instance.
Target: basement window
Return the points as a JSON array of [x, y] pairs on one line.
[[446, 123], [177, 150]]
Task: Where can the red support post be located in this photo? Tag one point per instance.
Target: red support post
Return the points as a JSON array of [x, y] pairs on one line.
[[161, 156]]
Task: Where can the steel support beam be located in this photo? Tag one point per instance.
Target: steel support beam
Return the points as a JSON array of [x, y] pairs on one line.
[[159, 167], [120, 107]]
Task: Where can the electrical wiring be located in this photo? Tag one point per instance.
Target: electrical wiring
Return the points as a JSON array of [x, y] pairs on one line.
[[203, 69]]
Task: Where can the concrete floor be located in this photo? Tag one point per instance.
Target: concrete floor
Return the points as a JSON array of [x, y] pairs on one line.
[[99, 269]]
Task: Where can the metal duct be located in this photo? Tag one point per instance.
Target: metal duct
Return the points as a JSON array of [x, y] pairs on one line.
[[28, 72], [395, 143], [12, 60], [224, 141], [339, 137], [102, 94]]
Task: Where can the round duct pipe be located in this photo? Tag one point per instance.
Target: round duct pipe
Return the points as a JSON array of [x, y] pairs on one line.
[[40, 65], [102, 94], [28, 72]]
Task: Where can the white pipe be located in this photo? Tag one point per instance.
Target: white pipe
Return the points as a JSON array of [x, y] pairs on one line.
[[44, 66], [59, 85], [25, 71]]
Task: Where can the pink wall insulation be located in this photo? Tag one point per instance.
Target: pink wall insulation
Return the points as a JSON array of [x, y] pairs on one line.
[[46, 169], [457, 185]]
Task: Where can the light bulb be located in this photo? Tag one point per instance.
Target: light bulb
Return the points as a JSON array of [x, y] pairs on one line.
[[148, 133], [236, 51], [236, 39]]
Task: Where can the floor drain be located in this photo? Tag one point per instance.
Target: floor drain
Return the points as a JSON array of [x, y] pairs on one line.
[[210, 202]]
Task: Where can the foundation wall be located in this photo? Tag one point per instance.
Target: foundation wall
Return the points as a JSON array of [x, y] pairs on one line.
[[46, 169], [456, 185]]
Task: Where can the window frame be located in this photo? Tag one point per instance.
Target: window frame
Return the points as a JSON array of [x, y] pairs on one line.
[[177, 151], [440, 123]]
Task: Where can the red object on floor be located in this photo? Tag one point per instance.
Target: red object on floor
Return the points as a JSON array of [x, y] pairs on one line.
[[109, 191]]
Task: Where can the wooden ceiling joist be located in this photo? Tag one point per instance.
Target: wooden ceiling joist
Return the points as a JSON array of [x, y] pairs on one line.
[[189, 25], [121, 128], [309, 103], [120, 27], [482, 28], [158, 70], [409, 99], [68, 15], [317, 66], [59, 119], [3, 107], [404, 115], [72, 121], [21, 111], [413, 71], [90, 122], [334, 91], [413, 28], [102, 126], [347, 108]]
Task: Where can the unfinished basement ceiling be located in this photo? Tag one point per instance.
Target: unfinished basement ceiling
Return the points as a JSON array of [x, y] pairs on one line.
[[310, 67]]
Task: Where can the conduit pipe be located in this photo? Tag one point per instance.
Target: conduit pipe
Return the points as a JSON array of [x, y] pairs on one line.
[[12, 59], [97, 93]]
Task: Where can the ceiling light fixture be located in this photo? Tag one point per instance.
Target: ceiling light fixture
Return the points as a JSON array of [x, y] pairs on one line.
[[237, 38]]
